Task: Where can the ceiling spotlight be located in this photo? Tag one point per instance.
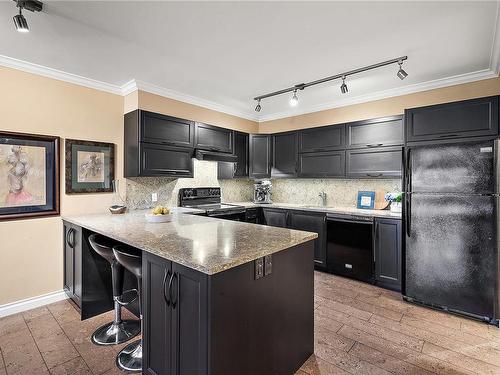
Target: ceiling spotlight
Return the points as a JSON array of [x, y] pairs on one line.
[[258, 107], [401, 73], [343, 87], [294, 100], [20, 22]]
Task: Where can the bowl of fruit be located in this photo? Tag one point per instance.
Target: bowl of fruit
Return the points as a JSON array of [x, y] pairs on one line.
[[159, 214]]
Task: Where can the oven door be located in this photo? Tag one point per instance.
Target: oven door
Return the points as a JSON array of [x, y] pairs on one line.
[[228, 215]]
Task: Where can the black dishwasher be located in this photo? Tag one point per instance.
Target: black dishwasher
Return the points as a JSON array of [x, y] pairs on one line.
[[350, 246]]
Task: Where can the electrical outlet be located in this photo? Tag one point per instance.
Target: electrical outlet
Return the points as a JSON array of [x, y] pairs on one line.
[[268, 265], [259, 268], [154, 197]]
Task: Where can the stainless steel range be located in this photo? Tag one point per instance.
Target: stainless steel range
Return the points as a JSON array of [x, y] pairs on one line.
[[209, 200]]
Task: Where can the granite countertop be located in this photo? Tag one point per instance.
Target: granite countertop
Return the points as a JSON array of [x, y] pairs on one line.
[[337, 210], [208, 245]]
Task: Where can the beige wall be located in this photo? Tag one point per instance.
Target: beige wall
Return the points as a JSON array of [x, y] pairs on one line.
[[31, 255], [155, 103], [384, 107]]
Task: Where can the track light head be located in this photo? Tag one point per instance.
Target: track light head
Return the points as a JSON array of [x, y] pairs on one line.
[[258, 107], [20, 22], [294, 100], [401, 72], [343, 87]]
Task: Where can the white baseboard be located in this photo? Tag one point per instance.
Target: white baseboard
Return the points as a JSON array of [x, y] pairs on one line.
[[31, 303]]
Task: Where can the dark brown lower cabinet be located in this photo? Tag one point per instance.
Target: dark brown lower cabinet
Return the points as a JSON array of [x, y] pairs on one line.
[[388, 253], [73, 262], [275, 217], [312, 222], [229, 322]]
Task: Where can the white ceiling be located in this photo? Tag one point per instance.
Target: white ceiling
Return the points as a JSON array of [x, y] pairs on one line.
[[222, 54]]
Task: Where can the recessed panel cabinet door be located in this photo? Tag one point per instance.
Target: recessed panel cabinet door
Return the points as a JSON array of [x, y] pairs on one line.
[[285, 154], [380, 162], [322, 164], [172, 131], [157, 160], [214, 138], [388, 253], [467, 118], [380, 132], [275, 217], [312, 222], [322, 139], [260, 156]]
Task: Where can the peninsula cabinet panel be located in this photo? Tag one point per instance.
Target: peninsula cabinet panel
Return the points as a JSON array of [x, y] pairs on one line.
[[388, 253], [463, 119], [322, 164], [260, 156], [159, 160], [214, 138], [285, 153], [73, 262], [172, 131], [380, 132], [312, 222], [384, 162], [322, 139]]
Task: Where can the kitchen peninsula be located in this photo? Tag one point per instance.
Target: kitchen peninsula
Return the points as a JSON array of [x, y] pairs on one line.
[[244, 292]]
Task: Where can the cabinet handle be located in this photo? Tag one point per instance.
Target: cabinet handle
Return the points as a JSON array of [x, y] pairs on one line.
[[174, 302], [70, 238], [165, 294], [449, 135], [214, 148], [67, 237], [374, 174], [375, 145]]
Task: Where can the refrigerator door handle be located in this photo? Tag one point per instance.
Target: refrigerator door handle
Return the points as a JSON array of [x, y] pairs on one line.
[[408, 170], [408, 214], [496, 164]]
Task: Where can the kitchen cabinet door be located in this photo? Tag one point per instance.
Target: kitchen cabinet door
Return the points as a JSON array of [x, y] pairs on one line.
[[157, 315], [275, 217], [387, 131], [312, 222], [285, 153], [260, 156], [167, 130], [388, 253], [189, 321], [379, 162], [226, 170], [214, 138], [322, 139], [463, 119], [158, 160], [322, 164]]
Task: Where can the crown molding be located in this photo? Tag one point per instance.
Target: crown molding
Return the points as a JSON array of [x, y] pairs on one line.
[[399, 91], [185, 98], [45, 71], [495, 48]]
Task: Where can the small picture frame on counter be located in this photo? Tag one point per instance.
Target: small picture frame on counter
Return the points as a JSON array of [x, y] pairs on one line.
[[366, 200], [90, 166]]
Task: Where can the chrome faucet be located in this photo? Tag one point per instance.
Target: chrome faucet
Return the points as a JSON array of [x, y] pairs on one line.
[[323, 198]]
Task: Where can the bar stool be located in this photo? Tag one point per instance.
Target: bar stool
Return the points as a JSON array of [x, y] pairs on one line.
[[130, 357], [118, 331]]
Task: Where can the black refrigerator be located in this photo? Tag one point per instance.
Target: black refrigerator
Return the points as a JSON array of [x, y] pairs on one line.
[[451, 228]]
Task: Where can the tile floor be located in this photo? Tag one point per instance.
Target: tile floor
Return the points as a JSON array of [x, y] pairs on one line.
[[360, 329]]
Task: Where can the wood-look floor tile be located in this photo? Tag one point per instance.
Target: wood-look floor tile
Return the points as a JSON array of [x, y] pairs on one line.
[[480, 329], [11, 323], [24, 359], [76, 366], [64, 312], [386, 302], [325, 336], [3, 371], [434, 316], [346, 309], [317, 366]]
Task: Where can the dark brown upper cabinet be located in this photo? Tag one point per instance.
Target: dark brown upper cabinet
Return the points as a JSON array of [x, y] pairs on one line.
[[322, 164], [463, 119], [227, 170], [214, 138], [285, 155], [166, 130], [158, 160], [387, 131], [382, 162], [260, 148], [324, 138]]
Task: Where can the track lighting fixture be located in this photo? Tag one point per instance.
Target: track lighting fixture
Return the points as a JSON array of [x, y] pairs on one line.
[[343, 87], [294, 100], [19, 20], [401, 73], [258, 107]]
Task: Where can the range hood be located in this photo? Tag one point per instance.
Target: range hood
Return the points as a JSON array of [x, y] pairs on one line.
[[214, 156]]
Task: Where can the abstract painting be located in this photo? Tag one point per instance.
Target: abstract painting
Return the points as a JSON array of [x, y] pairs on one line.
[[29, 170], [89, 166]]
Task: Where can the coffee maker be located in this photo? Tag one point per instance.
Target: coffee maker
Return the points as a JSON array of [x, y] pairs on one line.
[[262, 192]]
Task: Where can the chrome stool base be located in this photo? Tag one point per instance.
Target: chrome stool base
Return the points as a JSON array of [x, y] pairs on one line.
[[116, 333], [130, 357]]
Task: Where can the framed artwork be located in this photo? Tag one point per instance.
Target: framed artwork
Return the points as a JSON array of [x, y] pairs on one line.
[[29, 175], [90, 166], [366, 199]]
